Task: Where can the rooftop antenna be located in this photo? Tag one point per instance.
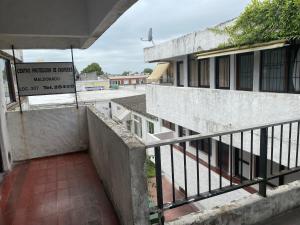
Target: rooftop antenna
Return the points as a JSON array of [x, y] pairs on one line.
[[150, 36]]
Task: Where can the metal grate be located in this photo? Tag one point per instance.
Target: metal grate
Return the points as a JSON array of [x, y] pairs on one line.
[[276, 147]]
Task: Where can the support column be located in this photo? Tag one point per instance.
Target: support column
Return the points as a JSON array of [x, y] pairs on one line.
[[232, 72], [185, 70], [212, 73], [256, 71]]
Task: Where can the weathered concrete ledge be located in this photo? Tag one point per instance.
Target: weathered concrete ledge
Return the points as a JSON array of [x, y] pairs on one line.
[[248, 211], [120, 161]]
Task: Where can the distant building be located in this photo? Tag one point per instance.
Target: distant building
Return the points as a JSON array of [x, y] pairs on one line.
[[127, 80], [88, 76], [131, 112]]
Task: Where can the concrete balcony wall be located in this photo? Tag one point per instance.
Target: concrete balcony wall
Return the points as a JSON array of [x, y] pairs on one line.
[[47, 132], [120, 161], [211, 110]]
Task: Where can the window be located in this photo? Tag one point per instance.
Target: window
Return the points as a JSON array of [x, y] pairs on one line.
[[193, 72], [245, 64], [203, 144], [150, 126], [193, 143], [223, 72], [180, 74], [6, 73], [273, 68], [294, 71], [138, 126], [203, 65], [128, 125], [168, 125]]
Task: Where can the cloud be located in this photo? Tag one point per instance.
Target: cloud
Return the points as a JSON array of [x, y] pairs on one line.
[[120, 48]]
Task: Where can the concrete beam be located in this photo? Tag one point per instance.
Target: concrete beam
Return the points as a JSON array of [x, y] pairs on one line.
[[57, 24]]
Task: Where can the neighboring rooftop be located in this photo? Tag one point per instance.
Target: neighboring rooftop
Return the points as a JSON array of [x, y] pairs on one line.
[[127, 77], [135, 103]]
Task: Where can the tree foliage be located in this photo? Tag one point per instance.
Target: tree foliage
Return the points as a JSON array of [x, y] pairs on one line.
[[93, 67], [265, 20], [125, 73], [148, 70]]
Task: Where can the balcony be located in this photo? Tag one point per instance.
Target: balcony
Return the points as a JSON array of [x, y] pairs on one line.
[[75, 166], [72, 166]]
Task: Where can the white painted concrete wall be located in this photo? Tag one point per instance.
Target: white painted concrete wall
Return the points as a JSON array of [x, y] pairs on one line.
[[5, 147], [187, 44], [47, 132], [210, 110], [117, 109]]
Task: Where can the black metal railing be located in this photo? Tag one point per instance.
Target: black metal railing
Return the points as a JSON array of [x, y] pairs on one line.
[[270, 147]]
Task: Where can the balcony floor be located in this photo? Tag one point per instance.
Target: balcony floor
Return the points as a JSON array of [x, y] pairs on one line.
[[59, 190]]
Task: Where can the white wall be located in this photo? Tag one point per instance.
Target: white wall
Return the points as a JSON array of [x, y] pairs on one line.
[[117, 109], [47, 132], [209, 110], [5, 147]]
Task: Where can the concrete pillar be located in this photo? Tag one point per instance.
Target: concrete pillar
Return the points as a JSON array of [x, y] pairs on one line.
[[175, 73], [185, 69], [212, 72], [232, 72], [256, 71]]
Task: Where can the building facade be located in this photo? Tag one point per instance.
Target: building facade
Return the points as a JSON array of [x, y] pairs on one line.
[[131, 112], [127, 80], [217, 90]]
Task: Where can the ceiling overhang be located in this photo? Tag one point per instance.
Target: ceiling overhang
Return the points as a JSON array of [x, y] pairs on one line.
[[57, 24]]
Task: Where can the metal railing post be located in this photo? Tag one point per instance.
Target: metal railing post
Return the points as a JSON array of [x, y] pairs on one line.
[[159, 191], [263, 161]]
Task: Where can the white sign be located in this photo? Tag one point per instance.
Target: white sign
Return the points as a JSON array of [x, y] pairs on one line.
[[45, 78]]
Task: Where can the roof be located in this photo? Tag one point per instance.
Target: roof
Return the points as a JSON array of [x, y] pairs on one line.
[[135, 103], [127, 77], [186, 44]]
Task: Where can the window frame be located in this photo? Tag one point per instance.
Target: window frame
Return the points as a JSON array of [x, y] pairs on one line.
[[10, 83], [169, 125], [199, 73], [217, 75], [238, 74], [150, 129], [286, 69]]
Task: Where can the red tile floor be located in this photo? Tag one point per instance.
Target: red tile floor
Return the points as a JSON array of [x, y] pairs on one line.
[[171, 214], [59, 190]]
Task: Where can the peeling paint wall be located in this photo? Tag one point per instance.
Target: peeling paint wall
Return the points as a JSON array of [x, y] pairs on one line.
[[119, 158], [212, 110], [187, 44], [47, 132]]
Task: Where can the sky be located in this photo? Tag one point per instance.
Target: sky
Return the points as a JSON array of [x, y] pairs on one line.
[[120, 48]]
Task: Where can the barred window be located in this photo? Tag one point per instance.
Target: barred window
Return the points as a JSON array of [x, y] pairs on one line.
[[273, 77], [204, 73], [223, 72], [245, 64], [294, 71]]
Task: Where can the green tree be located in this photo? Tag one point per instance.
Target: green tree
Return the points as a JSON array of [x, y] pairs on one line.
[[125, 73], [265, 20], [93, 67], [148, 70]]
